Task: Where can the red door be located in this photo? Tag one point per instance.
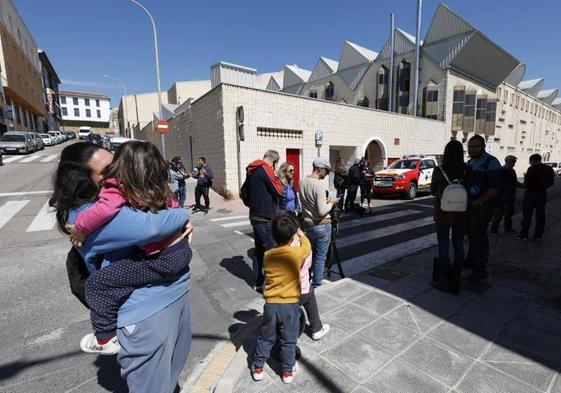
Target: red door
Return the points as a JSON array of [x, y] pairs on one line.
[[293, 156]]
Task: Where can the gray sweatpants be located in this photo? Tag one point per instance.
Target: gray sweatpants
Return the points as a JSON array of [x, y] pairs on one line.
[[154, 351]]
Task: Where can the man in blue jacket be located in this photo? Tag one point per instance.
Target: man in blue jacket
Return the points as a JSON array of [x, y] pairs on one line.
[[204, 175]]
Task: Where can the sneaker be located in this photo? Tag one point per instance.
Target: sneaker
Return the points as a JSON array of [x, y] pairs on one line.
[[257, 373], [319, 334], [89, 344], [288, 376]]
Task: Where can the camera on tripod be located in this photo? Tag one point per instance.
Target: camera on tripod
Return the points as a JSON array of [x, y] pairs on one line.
[[333, 253]]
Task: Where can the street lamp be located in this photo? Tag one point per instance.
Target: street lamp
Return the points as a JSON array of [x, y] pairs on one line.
[[157, 55], [125, 104]]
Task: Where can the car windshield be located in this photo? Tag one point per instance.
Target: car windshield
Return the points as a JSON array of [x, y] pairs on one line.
[[13, 138], [404, 164], [551, 164]]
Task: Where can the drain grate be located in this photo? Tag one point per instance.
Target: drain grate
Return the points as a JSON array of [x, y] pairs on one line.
[[388, 274]]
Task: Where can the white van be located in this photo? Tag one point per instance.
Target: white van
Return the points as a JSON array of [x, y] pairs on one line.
[[116, 141], [84, 132]]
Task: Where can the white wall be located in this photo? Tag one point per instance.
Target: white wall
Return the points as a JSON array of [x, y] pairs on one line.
[[104, 108]]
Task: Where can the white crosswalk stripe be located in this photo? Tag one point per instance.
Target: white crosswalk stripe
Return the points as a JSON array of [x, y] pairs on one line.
[[49, 158], [10, 159], [228, 218], [236, 224], [29, 159], [377, 218], [9, 210], [45, 220]]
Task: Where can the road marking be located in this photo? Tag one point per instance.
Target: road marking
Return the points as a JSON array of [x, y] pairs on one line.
[[383, 232], [236, 224], [45, 220], [52, 336], [29, 159], [9, 210], [11, 159], [421, 205], [381, 217], [9, 194], [49, 158], [228, 218], [379, 257]]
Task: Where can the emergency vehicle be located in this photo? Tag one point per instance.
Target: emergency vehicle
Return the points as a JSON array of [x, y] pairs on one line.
[[407, 176]]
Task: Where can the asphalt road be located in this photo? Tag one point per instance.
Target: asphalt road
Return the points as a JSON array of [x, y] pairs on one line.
[[42, 323]]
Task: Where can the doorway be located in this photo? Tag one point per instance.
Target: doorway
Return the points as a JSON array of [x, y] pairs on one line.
[[293, 156], [375, 155]]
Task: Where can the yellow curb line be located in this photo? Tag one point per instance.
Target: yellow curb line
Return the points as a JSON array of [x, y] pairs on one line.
[[215, 369]]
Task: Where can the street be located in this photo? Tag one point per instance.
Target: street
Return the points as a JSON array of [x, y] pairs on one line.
[[42, 322]]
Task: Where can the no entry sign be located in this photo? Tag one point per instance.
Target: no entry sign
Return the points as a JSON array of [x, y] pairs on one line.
[[162, 127]]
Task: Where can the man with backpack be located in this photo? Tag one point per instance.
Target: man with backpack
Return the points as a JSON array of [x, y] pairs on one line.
[[507, 196], [260, 192], [483, 190]]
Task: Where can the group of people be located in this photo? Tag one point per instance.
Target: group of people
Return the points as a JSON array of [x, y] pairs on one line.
[[202, 173], [473, 198], [359, 176]]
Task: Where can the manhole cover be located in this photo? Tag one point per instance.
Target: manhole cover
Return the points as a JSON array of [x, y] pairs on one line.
[[388, 274]]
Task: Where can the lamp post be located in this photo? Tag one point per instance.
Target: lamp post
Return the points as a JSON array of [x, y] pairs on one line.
[[157, 57], [124, 103]]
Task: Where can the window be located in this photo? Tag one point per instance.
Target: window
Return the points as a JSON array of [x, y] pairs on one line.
[[64, 111], [469, 111], [490, 117], [313, 94], [481, 114], [458, 108], [382, 93], [403, 86], [63, 100], [98, 114], [97, 103], [499, 90], [430, 102], [75, 100], [76, 112], [330, 91], [88, 113], [87, 101]]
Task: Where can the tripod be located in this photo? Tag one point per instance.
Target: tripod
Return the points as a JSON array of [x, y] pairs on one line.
[[333, 253]]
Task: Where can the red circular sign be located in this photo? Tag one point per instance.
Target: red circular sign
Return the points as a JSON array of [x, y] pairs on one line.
[[162, 127]]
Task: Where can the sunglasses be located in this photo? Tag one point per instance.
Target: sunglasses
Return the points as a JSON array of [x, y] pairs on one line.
[[291, 170]]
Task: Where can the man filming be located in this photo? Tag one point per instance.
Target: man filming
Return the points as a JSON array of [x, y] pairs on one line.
[[316, 206]]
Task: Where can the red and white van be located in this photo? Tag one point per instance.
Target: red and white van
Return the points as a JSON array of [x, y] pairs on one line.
[[406, 176]]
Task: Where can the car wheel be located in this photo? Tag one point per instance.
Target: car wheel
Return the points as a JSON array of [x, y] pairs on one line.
[[411, 191]]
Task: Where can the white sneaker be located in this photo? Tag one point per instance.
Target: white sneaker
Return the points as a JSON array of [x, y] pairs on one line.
[[257, 373], [288, 376], [319, 334], [89, 344]]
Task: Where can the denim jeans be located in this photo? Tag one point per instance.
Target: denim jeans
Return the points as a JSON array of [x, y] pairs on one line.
[[182, 195], [443, 235], [533, 200], [341, 196], [282, 319], [263, 236], [320, 237]]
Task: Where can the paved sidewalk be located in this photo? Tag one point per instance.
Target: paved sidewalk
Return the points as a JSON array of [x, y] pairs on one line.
[[392, 332]]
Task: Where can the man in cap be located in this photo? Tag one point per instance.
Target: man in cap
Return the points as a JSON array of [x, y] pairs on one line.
[[507, 196], [316, 206]]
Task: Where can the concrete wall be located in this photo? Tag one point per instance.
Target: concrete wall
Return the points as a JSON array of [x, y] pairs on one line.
[[182, 91]]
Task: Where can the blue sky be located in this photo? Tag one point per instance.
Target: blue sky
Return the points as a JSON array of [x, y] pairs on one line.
[[86, 39]]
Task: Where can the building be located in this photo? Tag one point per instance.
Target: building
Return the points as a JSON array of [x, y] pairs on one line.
[[85, 109], [138, 110], [362, 106], [22, 101], [53, 115]]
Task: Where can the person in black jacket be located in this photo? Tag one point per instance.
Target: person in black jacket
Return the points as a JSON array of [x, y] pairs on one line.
[[507, 196], [263, 190], [353, 181]]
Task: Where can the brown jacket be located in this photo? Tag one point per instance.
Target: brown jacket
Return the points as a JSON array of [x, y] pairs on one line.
[[437, 187]]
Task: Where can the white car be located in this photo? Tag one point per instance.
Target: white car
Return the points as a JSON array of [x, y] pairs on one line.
[[84, 132], [556, 167], [48, 139], [57, 136]]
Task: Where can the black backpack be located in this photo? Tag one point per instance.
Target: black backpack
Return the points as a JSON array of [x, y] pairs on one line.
[[244, 192]]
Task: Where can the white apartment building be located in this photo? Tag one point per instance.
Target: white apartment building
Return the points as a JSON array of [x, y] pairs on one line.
[[83, 109]]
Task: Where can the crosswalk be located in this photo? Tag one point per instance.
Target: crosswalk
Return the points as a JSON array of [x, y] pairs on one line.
[[29, 159], [389, 233], [44, 219]]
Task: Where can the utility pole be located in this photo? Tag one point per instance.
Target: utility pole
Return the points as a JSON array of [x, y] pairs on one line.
[[417, 57]]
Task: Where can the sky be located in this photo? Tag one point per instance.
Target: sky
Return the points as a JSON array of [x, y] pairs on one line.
[[86, 39]]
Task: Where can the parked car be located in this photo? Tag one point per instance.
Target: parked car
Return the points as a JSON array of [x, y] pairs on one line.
[[556, 167], [106, 141], [39, 145], [406, 176], [70, 135], [84, 132], [116, 141], [95, 138], [57, 135], [17, 142], [48, 139]]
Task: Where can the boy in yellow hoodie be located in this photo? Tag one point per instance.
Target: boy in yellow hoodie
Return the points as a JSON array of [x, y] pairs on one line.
[[282, 295]]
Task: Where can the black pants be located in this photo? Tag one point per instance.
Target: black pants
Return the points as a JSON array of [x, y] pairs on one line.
[[506, 211], [263, 237], [365, 193], [201, 191], [351, 197], [311, 306], [77, 275], [108, 288], [533, 201], [478, 253]]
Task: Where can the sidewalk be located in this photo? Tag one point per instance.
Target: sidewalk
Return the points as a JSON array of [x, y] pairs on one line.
[[392, 332]]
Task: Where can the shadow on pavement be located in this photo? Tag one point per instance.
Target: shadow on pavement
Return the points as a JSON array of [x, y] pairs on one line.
[[238, 267]]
